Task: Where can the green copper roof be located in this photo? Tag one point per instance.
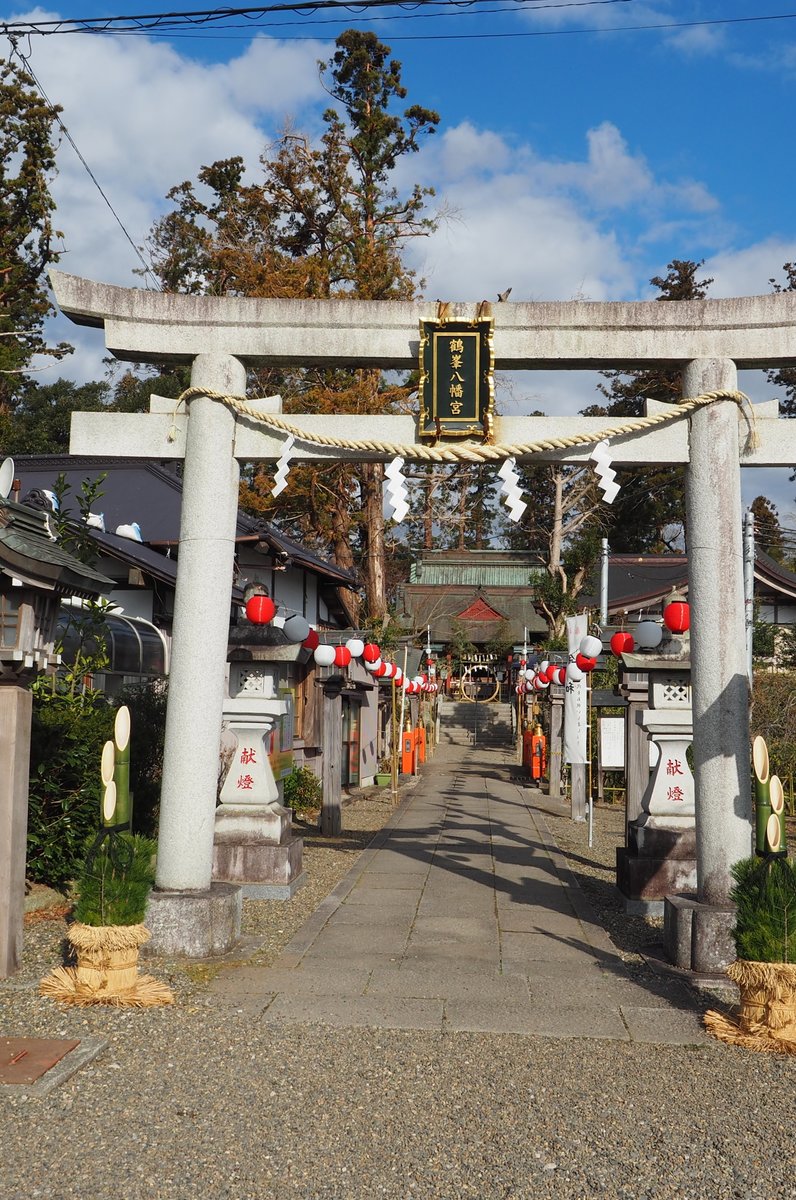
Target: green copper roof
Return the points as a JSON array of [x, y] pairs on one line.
[[474, 574]]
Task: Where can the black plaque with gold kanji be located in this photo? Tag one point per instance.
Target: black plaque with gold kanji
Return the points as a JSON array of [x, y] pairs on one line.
[[456, 378]]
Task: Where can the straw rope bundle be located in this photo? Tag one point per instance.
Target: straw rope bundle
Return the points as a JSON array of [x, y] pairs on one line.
[[107, 969], [766, 1018]]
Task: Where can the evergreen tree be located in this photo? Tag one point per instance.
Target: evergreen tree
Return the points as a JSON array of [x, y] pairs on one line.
[[648, 515], [323, 221], [769, 535], [27, 165], [785, 377]]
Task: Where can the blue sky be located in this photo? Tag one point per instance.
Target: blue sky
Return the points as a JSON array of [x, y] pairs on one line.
[[567, 163]]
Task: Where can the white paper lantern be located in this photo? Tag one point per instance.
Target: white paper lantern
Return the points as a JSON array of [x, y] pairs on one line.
[[591, 646], [324, 655], [296, 628], [355, 646], [522, 673], [543, 665], [648, 634], [574, 673], [372, 666]]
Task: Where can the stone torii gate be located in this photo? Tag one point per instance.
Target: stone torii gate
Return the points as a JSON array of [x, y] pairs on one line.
[[220, 337]]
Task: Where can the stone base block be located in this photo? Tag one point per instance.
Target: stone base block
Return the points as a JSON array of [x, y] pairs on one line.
[[256, 864], [197, 924], [697, 936], [655, 841], [649, 880], [273, 891]]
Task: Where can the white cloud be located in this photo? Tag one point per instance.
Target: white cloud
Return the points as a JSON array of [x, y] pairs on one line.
[[146, 117], [747, 271], [464, 150]]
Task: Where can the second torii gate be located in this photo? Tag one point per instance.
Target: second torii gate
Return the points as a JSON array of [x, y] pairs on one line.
[[707, 339]]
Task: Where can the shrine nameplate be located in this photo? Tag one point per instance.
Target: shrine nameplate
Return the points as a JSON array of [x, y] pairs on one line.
[[456, 378]]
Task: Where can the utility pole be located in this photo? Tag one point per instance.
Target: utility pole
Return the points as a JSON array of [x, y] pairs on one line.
[[749, 584], [604, 583]]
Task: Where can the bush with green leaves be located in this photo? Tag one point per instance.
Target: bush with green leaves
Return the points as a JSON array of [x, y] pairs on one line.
[[302, 790], [115, 880], [64, 796], [765, 897]]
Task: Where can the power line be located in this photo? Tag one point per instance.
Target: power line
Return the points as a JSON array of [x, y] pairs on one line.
[[163, 23], [56, 115], [146, 22]]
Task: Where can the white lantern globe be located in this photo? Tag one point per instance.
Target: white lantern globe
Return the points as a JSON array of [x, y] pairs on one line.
[[324, 655], [355, 646], [648, 635], [591, 646], [574, 673], [372, 666]]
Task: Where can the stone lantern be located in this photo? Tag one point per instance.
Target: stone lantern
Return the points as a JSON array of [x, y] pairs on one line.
[[660, 856], [35, 576]]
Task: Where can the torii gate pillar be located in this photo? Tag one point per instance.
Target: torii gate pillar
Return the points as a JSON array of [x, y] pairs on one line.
[[698, 934], [187, 912]]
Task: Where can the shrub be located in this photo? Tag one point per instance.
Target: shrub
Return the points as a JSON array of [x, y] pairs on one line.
[[302, 790], [64, 797], [774, 718], [147, 704]]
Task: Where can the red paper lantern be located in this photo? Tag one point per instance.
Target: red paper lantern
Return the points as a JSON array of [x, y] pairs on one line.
[[622, 643], [381, 670], [371, 653], [585, 663], [561, 675], [311, 640], [677, 616], [260, 610], [342, 656]]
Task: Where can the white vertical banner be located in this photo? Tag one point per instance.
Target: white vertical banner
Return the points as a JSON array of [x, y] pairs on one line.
[[575, 696]]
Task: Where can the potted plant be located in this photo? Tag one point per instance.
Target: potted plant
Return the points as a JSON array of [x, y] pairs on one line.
[[113, 887], [384, 773], [765, 930]]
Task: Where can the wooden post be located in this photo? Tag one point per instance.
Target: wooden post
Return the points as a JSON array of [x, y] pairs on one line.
[[16, 707], [556, 730], [332, 742]]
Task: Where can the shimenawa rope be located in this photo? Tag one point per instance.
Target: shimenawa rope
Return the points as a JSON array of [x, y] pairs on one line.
[[418, 451]]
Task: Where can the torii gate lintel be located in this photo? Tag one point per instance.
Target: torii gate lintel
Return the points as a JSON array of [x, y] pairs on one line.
[[712, 338]]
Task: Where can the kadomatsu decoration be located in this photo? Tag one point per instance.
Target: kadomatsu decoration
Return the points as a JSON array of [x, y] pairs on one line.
[[764, 895], [113, 888]]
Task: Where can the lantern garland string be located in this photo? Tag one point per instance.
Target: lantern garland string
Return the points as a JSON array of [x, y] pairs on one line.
[[261, 610], [482, 452]]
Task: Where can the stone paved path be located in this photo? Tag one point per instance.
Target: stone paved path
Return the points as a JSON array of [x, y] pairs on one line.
[[462, 915]]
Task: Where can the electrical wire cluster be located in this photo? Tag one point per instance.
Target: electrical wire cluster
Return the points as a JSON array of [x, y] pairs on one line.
[[210, 22]]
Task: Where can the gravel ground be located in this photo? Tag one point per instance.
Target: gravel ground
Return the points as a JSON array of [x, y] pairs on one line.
[[193, 1100], [594, 868]]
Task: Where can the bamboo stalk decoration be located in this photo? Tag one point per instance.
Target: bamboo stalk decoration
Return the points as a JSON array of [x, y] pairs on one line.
[[121, 771], [107, 767], [775, 837], [761, 769]]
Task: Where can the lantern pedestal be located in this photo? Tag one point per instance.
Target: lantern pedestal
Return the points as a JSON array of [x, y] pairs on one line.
[[254, 845], [660, 856]]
